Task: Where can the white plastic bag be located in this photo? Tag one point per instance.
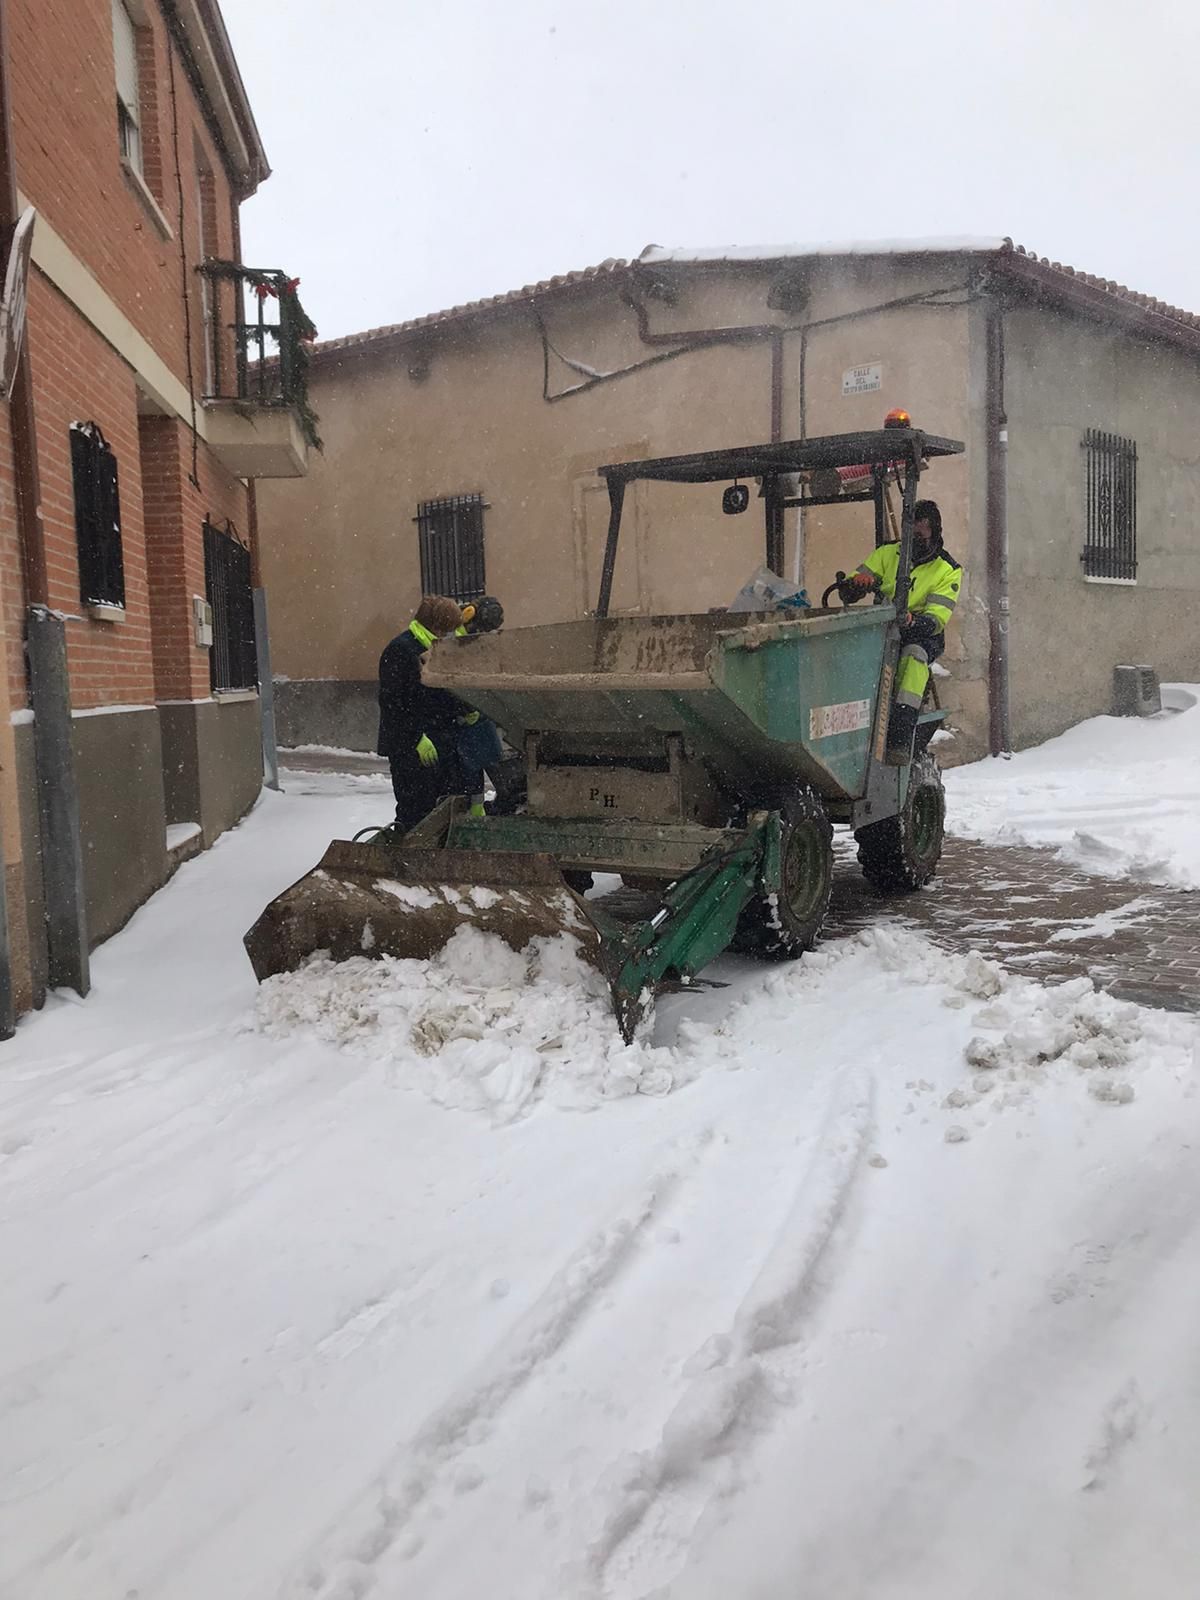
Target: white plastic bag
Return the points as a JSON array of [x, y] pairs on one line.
[[766, 591]]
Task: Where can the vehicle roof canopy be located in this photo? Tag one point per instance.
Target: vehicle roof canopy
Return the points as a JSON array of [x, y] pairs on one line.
[[880, 447]]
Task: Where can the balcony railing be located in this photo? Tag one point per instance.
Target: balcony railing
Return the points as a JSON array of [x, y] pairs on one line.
[[256, 339]]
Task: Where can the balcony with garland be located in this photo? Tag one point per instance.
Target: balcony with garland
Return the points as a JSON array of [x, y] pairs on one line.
[[255, 382]]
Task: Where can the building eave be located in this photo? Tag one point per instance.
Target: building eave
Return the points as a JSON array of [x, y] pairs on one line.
[[403, 335], [1040, 279], [203, 28]]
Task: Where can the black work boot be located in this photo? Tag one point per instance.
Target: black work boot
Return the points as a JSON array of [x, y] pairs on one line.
[[902, 729]]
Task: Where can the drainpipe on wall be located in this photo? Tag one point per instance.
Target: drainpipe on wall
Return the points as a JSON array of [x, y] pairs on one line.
[[46, 646], [262, 647], [775, 509], [999, 728]]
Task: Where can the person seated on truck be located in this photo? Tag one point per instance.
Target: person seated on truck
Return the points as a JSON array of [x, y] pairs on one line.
[[477, 738], [932, 595], [418, 726]]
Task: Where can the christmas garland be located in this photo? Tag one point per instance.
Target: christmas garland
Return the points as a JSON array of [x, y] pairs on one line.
[[296, 332]]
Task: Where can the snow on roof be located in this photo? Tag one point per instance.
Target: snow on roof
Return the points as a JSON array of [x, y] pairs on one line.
[[1052, 280], [654, 254]]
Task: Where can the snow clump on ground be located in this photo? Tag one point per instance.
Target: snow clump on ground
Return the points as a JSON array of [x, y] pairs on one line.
[[480, 1027]]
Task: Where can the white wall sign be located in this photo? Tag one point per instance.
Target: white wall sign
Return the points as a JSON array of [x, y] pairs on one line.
[[862, 380], [847, 717]]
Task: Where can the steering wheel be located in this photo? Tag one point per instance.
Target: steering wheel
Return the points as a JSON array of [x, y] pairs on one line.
[[839, 579]]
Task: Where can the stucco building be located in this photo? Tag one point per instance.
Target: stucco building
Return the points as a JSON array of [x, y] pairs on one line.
[[461, 451], [129, 707]]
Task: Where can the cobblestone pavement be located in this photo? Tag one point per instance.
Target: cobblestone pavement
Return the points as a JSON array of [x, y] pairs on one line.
[[1034, 914], [1022, 907], [351, 761]]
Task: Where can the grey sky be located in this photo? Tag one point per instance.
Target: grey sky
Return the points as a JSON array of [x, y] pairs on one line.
[[429, 153]]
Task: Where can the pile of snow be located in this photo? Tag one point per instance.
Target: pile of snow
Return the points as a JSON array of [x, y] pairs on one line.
[[1117, 796], [480, 1027]]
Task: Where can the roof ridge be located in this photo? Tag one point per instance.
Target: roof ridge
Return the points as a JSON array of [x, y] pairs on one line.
[[1027, 262]]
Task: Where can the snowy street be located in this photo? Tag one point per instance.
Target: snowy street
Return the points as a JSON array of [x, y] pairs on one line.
[[1114, 796], [872, 1275], [599, 802]]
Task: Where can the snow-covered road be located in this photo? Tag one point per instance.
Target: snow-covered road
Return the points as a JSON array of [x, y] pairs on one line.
[[882, 1285]]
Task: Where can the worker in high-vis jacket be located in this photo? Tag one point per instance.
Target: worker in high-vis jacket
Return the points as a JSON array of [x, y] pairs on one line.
[[932, 595]]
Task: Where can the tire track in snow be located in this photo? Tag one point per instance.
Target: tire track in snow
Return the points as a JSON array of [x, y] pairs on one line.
[[731, 1394], [372, 1526]]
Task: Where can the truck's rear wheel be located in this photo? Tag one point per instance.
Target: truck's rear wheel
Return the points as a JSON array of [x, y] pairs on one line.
[[784, 925], [901, 853]]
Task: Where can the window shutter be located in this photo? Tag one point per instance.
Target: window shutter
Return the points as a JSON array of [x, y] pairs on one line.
[[125, 52], [97, 517], [108, 517]]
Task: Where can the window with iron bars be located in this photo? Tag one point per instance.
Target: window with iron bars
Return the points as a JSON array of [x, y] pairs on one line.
[[97, 517], [450, 532], [232, 659], [1110, 550]]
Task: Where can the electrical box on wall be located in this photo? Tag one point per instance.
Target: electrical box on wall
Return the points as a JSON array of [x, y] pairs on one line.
[[202, 613]]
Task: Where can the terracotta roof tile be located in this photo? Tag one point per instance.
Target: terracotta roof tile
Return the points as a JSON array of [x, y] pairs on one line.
[[1024, 265], [1049, 270], [435, 319]]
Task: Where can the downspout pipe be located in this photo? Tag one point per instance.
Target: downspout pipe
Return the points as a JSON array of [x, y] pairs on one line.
[[999, 721], [775, 508], [262, 647]]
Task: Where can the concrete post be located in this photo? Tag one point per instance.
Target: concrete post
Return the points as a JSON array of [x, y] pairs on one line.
[[58, 803]]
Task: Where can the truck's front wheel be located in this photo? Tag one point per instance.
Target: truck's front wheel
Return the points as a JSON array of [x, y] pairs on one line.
[[782, 925], [901, 853]]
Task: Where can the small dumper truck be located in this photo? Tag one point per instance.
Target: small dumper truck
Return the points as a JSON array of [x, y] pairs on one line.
[[704, 758]]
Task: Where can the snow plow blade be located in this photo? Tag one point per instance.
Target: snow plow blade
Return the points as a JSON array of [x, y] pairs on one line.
[[373, 900]]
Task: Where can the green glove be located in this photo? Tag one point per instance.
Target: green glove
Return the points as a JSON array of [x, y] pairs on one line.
[[469, 719], [427, 751]]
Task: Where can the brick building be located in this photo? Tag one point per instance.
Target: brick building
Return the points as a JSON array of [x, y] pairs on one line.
[[142, 410]]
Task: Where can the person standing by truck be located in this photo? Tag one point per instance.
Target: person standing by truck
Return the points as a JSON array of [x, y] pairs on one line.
[[480, 748], [418, 726]]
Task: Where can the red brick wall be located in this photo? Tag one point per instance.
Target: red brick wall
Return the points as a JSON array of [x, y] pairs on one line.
[[78, 377], [175, 510], [170, 558], [68, 161], [151, 654], [68, 165]]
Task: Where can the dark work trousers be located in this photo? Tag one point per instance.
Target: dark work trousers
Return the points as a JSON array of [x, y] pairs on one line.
[[479, 751], [417, 789]]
